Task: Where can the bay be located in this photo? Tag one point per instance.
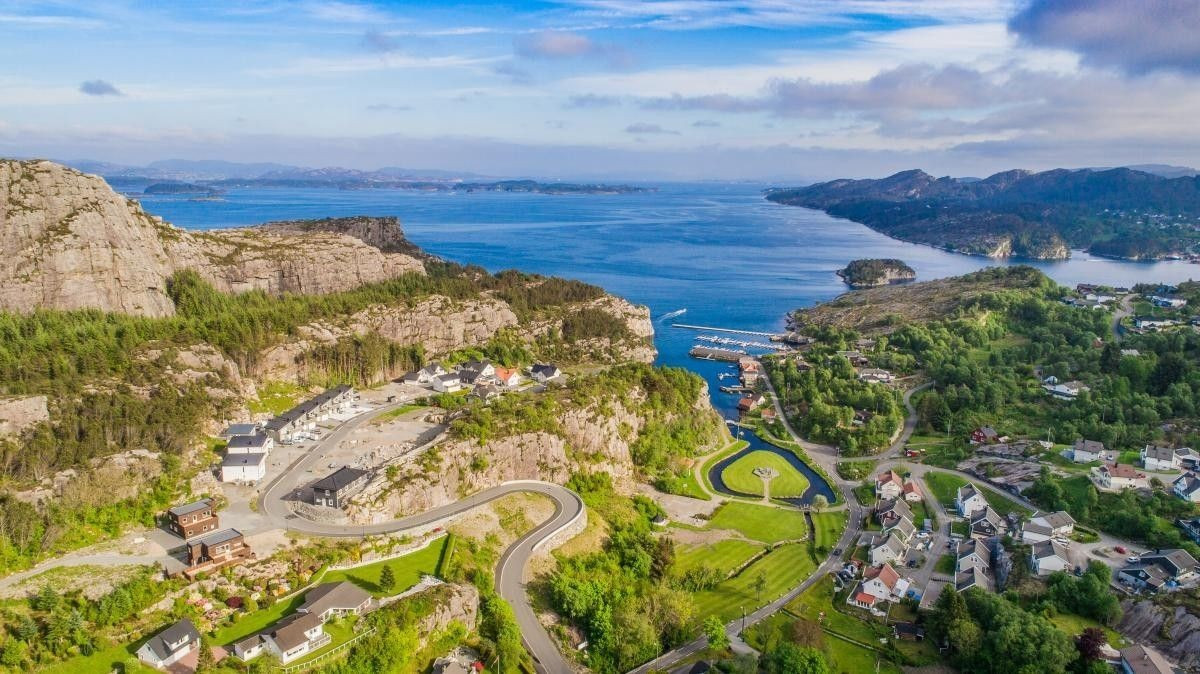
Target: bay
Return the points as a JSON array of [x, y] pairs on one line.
[[720, 251]]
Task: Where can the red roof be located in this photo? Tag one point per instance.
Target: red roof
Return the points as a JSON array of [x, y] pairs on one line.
[[864, 598], [911, 488], [1123, 470], [886, 574], [890, 476]]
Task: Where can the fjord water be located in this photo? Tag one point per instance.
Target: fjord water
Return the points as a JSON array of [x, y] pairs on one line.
[[720, 251]]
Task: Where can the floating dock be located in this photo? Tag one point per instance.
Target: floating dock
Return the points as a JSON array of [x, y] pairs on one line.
[[756, 333]]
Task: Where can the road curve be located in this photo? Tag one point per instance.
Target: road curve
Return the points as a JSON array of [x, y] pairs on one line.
[[568, 509]]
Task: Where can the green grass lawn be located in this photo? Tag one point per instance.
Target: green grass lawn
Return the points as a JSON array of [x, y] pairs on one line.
[[945, 564], [943, 486], [844, 656], [253, 622], [961, 527], [395, 414], [739, 476], [784, 568], [340, 631], [732, 448], [865, 494], [688, 486], [103, 661], [829, 527], [407, 569], [724, 555], [1074, 625], [275, 398], [760, 522]]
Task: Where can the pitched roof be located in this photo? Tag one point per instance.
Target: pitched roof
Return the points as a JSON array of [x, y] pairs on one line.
[[1144, 660], [986, 514], [216, 538], [891, 542], [966, 491], [977, 548], [911, 488], [1048, 549], [504, 373], [160, 644], [289, 632], [973, 577], [545, 369], [1190, 482], [866, 598], [897, 506], [1175, 560], [1090, 446], [342, 595], [1158, 452], [890, 477], [248, 441], [1057, 519], [189, 508], [885, 573], [250, 459], [339, 478], [240, 429]]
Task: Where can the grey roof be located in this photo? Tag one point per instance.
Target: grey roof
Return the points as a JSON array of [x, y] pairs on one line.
[[216, 538], [240, 429], [339, 478], [891, 542], [986, 514], [289, 632], [1190, 481], [1159, 452], [975, 547], [189, 508], [1155, 576], [966, 491], [448, 377], [343, 595], [1173, 560], [160, 643], [546, 369], [249, 459], [1047, 549], [973, 577], [1058, 519], [306, 407], [905, 527], [1143, 660], [256, 440], [1090, 446], [896, 505]]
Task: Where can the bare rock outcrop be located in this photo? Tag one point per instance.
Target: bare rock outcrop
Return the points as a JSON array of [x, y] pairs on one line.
[[1172, 630], [71, 242], [453, 602], [18, 413]]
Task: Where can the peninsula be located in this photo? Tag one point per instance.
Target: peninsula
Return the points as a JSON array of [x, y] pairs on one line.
[[876, 272]]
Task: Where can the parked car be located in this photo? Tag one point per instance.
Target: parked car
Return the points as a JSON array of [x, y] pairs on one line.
[[1120, 549]]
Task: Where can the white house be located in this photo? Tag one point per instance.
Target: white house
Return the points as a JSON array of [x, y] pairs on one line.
[[1086, 451], [1151, 323], [473, 371], [874, 375], [544, 372], [257, 443], [1155, 457], [303, 632], [887, 549], [1168, 301], [889, 485], [884, 583], [427, 374], [243, 467], [1068, 390], [912, 492], [447, 383], [1119, 476], [170, 645], [968, 499], [972, 553], [1047, 557], [508, 377], [1058, 524], [1187, 487]]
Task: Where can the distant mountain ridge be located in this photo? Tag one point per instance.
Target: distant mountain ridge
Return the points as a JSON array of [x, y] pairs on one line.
[[1116, 212]]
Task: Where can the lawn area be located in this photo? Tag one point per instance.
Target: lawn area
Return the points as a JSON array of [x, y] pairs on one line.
[[945, 564], [865, 494], [101, 662], [1074, 625], [253, 622], [275, 398], [784, 567], [961, 527], [732, 448], [407, 569], [688, 486], [395, 414], [844, 656], [760, 522], [943, 486], [739, 476], [829, 527], [724, 555]]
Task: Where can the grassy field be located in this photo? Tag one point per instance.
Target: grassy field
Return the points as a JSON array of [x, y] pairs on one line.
[[783, 567], [844, 656], [407, 569], [275, 398], [1074, 625], [943, 486], [103, 661], [340, 631], [829, 527], [739, 475], [253, 622], [732, 448], [724, 555], [391, 415], [760, 522], [946, 564]]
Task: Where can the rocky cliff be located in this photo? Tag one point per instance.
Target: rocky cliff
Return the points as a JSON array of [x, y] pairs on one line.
[[71, 242], [1171, 629]]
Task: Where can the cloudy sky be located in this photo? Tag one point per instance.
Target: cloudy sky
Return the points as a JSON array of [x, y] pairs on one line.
[[655, 89]]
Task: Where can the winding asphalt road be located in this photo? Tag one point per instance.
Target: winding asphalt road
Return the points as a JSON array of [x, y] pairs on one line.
[[568, 508]]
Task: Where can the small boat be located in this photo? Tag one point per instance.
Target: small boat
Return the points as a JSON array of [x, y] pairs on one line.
[[672, 314]]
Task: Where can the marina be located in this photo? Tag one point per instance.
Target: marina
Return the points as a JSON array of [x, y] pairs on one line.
[[711, 353], [746, 344], [755, 333]]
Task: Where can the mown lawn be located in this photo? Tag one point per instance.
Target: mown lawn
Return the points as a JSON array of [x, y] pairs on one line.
[[844, 656], [732, 448], [946, 564], [1074, 625], [783, 567], [407, 570], [829, 527], [340, 631], [391, 415], [253, 622], [739, 476], [103, 661], [943, 487], [724, 556], [760, 522]]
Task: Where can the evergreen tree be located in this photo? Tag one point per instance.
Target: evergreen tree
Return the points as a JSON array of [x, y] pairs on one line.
[[387, 578]]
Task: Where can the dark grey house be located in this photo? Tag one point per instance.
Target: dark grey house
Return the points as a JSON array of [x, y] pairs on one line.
[[335, 489]]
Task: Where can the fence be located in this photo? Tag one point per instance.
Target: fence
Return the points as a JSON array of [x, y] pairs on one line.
[[324, 656]]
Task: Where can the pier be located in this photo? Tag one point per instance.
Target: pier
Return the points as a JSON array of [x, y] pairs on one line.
[[756, 333], [709, 353], [746, 344]]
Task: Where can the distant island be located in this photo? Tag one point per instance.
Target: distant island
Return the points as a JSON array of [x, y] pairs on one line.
[[348, 182], [869, 273], [1119, 212], [180, 188]]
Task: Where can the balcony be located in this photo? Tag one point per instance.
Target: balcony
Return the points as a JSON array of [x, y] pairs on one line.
[[319, 641]]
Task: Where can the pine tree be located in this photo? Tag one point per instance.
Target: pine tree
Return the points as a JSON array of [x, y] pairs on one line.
[[387, 579]]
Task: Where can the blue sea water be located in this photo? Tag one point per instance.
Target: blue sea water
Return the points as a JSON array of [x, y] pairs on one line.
[[720, 251]]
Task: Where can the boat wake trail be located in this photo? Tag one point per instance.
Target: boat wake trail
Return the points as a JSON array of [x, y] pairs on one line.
[[672, 314]]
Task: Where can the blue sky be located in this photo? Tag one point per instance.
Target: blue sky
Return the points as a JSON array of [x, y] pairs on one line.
[[672, 89]]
